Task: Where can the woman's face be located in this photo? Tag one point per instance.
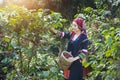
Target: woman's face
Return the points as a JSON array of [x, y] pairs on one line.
[[75, 27]]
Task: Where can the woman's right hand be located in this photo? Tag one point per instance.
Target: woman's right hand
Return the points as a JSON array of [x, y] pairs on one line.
[[54, 30]]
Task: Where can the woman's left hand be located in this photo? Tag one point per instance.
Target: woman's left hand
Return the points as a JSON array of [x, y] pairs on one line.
[[71, 59]]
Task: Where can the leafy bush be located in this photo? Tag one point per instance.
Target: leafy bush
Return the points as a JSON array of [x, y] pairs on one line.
[[30, 44], [104, 34]]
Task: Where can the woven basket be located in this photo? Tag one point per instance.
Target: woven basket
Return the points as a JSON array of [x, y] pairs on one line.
[[64, 61]]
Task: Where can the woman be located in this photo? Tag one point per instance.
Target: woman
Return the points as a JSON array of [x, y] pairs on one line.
[[77, 45]]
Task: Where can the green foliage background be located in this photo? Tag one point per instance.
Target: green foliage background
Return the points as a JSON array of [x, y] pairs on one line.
[[29, 49]]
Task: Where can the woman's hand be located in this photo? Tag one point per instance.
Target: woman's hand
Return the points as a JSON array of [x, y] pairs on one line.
[[71, 59], [54, 30]]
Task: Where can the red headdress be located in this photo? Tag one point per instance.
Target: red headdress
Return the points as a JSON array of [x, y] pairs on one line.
[[80, 22]]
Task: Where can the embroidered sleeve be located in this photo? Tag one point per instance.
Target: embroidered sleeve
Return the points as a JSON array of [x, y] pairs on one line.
[[66, 35], [61, 35], [83, 48], [82, 53]]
